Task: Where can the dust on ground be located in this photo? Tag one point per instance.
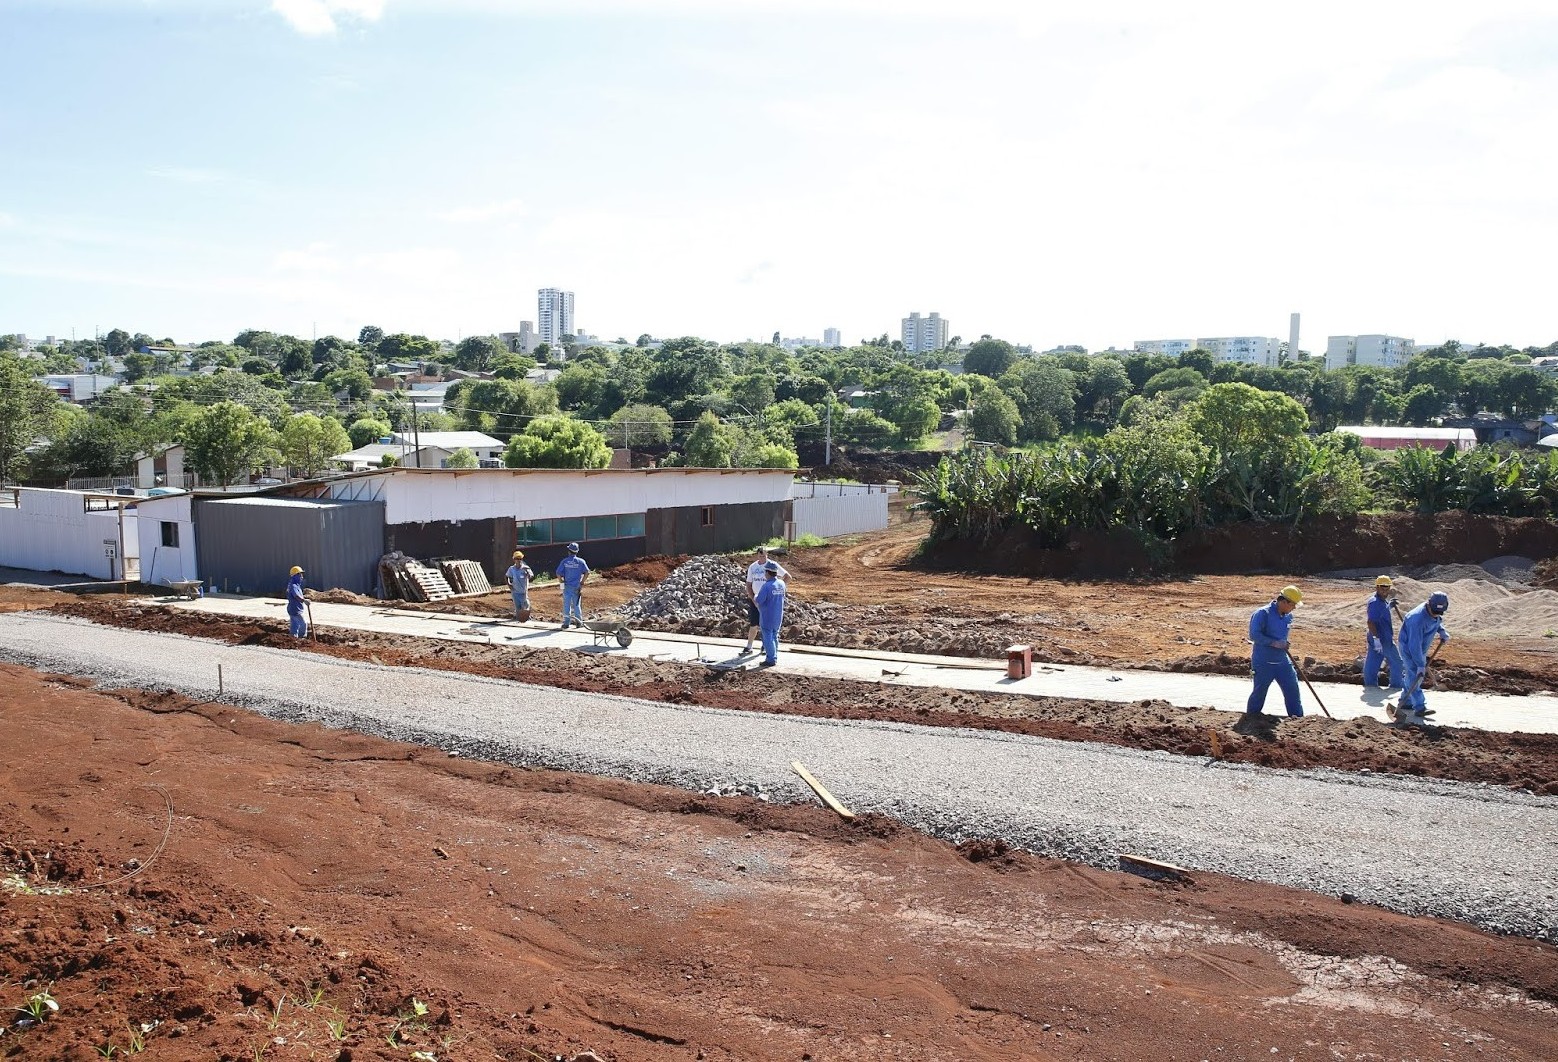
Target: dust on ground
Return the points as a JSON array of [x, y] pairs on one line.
[[205, 883]]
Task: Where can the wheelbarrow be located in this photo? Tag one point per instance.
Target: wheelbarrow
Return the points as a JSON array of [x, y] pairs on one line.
[[189, 589], [604, 631]]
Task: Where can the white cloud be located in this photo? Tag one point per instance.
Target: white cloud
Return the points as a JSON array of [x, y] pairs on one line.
[[316, 18], [507, 208]]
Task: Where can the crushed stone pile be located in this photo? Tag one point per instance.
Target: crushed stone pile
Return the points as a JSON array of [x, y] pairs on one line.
[[712, 589]]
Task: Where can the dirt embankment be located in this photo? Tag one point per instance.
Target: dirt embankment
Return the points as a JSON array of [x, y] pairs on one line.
[[1384, 540]]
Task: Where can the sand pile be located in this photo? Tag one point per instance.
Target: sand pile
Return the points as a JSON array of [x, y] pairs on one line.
[[1491, 599]]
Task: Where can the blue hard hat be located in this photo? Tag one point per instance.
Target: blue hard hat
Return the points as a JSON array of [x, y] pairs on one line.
[[771, 567], [1438, 602], [573, 547]]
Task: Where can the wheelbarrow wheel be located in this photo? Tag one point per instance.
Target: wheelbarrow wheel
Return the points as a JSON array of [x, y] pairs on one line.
[[624, 637]]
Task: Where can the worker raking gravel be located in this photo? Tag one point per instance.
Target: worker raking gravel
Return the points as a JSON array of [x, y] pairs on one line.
[[1269, 659], [1423, 626]]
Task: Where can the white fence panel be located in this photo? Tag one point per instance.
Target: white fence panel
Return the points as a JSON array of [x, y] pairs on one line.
[[838, 490], [849, 514], [47, 531]]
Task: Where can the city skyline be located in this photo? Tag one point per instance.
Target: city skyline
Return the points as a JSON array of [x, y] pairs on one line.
[[1383, 175]]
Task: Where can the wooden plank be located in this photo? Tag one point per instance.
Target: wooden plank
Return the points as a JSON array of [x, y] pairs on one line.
[[821, 790], [1166, 869]]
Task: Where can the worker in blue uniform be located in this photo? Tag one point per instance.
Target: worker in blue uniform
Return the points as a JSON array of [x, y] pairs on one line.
[[770, 611], [1423, 626], [296, 603], [1269, 658], [571, 571], [1381, 647]]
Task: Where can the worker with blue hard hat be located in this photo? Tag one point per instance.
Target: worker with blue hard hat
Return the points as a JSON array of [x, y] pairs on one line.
[[1269, 658], [1422, 628], [571, 571]]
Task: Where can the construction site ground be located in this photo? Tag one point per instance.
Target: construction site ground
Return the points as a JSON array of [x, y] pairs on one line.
[[316, 886]]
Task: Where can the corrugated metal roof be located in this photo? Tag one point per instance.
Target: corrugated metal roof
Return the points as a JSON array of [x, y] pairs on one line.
[[286, 503]]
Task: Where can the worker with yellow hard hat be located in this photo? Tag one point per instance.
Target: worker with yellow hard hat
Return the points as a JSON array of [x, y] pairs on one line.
[[1381, 647], [1269, 658], [519, 576], [296, 603]]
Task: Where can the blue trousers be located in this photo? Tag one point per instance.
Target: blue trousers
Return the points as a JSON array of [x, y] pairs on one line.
[[298, 624], [1413, 698], [571, 605], [1282, 673], [771, 645], [1389, 655], [521, 603]]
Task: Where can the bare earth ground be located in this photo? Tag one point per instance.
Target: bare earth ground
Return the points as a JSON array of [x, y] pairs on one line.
[[315, 886]]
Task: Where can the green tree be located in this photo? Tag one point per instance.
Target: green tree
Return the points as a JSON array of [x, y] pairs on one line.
[[769, 455], [995, 418], [1101, 391], [464, 457], [27, 411], [1237, 417], [138, 367], [914, 419], [225, 441], [477, 353], [989, 357], [366, 430], [710, 444], [1175, 379], [371, 336], [402, 347], [557, 442], [512, 366], [1199, 360], [117, 343], [309, 442], [639, 425], [1045, 394], [1423, 404], [580, 388]]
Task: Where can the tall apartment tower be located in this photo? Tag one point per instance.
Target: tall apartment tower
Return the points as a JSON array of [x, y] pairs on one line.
[[830, 337], [554, 315], [924, 333]]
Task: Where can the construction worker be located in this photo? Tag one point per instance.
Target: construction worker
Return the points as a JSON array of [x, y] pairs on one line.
[[1269, 659], [1423, 625], [296, 603], [770, 608], [571, 571], [1382, 638], [755, 578], [519, 576]]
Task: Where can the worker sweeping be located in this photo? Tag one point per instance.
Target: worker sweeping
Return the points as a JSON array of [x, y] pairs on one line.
[[571, 572], [1269, 659], [1381, 647], [519, 576], [296, 603], [1423, 626]]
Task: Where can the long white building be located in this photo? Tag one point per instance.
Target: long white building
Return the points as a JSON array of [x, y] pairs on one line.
[[554, 315], [1386, 352], [1249, 350], [925, 333]]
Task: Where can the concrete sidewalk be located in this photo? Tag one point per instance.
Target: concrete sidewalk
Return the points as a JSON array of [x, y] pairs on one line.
[[1536, 714]]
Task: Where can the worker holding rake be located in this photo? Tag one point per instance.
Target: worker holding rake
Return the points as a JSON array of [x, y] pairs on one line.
[[1423, 627], [1269, 658]]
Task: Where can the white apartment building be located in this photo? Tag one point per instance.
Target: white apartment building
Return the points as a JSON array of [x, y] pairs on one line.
[[924, 333], [1171, 347], [1250, 350], [830, 337], [554, 315], [1387, 352], [522, 342]]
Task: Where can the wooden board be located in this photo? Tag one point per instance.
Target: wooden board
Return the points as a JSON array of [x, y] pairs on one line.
[[821, 790]]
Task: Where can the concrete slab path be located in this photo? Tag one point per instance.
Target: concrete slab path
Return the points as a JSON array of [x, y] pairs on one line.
[[1533, 715]]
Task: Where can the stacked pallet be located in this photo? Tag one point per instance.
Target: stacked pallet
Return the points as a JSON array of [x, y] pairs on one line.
[[465, 576], [411, 580]]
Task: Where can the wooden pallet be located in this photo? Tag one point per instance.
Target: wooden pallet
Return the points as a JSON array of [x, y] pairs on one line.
[[411, 580], [465, 577]]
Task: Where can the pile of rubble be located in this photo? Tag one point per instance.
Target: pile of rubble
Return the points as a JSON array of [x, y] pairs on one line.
[[712, 589]]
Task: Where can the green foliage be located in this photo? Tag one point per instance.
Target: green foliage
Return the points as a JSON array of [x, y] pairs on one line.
[[710, 444], [464, 457], [769, 455], [366, 430], [225, 441], [27, 411], [989, 357], [498, 407], [639, 425], [309, 442], [556, 441], [994, 418], [477, 353], [1045, 395]]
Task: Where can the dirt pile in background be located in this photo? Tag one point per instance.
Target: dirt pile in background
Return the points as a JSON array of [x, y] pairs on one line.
[[711, 589]]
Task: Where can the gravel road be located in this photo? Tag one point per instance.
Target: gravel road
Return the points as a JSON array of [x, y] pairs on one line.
[[1477, 853]]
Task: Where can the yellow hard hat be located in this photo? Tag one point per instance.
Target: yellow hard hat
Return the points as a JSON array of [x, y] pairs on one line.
[[519, 554], [295, 570], [1383, 580], [1292, 594]]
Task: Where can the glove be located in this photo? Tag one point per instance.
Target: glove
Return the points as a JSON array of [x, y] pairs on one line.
[[1374, 643]]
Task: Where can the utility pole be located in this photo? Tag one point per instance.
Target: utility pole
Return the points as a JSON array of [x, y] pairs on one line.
[[827, 440], [416, 433]]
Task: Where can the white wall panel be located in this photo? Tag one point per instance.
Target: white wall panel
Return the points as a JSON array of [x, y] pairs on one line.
[[412, 497], [48, 531], [833, 516], [161, 564]]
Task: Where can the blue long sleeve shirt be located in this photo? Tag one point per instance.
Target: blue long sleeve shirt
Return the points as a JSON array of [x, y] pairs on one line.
[[572, 570], [770, 604], [1418, 632], [295, 596], [1379, 615], [1268, 625]]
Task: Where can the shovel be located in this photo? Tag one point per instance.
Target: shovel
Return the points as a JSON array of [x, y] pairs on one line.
[[1311, 686], [313, 632], [1396, 708]]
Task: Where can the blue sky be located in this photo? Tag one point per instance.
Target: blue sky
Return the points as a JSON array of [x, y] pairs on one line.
[[1049, 174]]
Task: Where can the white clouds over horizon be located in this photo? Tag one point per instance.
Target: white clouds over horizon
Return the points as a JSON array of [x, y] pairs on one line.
[[314, 18]]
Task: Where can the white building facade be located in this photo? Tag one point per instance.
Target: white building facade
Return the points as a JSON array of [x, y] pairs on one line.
[[830, 337], [1247, 350], [925, 333], [554, 315], [1386, 352], [1172, 348]]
